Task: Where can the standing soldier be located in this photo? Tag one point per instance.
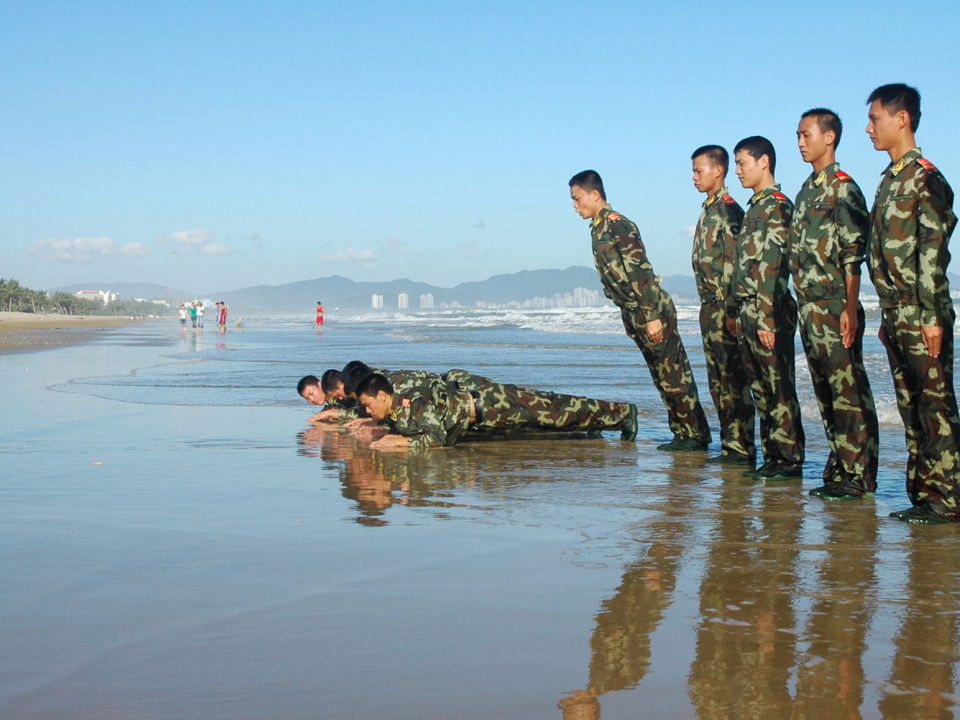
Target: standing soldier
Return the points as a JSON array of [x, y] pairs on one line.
[[649, 316], [910, 225], [826, 244], [714, 263], [767, 313]]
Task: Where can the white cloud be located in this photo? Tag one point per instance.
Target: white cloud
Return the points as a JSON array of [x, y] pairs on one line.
[[689, 231], [85, 249], [393, 247], [213, 248], [349, 256], [470, 250], [194, 237]]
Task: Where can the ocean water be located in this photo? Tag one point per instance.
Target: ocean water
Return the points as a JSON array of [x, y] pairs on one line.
[[176, 542]]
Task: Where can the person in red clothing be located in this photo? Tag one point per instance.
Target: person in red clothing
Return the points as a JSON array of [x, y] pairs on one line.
[[319, 322]]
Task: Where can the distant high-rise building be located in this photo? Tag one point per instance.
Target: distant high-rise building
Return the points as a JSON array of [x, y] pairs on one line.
[[426, 301], [377, 302], [403, 301], [584, 297]]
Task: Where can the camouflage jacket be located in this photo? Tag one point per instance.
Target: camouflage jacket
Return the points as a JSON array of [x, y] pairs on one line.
[[430, 415], [625, 273], [715, 249], [347, 409], [910, 226], [828, 235], [762, 272]]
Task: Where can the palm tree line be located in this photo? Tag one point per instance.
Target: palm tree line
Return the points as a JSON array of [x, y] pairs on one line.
[[16, 297]]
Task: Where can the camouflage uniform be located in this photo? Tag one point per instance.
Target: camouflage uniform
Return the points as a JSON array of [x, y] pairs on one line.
[[764, 303], [347, 409], [438, 413], [714, 262], [910, 225], [826, 243], [628, 280]]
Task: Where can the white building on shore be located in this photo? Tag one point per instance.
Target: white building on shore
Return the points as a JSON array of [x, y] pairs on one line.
[[426, 301], [377, 302], [104, 296], [403, 301]]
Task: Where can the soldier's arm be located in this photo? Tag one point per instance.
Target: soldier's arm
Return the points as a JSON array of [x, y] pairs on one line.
[[935, 223], [853, 223], [637, 267], [729, 231], [772, 265]]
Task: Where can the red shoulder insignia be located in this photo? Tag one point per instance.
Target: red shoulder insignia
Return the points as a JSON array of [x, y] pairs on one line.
[[405, 402], [613, 217], [842, 176], [729, 200], [781, 197], [926, 164]]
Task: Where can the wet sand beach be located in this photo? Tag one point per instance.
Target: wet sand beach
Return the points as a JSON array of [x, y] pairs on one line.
[[176, 542], [29, 332]]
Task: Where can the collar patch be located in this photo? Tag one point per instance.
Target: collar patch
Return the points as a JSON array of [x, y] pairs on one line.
[[899, 166], [820, 178]]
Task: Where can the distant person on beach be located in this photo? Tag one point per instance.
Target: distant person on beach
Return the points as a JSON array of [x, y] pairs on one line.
[[714, 266], [648, 313], [910, 228], [200, 315], [319, 322], [183, 317], [223, 317], [438, 414], [767, 312], [825, 249], [193, 313]]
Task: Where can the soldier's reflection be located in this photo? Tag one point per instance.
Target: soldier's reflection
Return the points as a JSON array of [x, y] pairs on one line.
[[746, 642], [830, 679], [620, 644], [922, 677]]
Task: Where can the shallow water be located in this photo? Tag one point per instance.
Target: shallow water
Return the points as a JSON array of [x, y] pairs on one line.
[[227, 560]]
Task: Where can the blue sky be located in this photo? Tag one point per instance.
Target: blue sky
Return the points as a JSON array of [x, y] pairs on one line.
[[211, 146]]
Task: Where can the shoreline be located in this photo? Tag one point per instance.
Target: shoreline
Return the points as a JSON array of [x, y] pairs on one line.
[[31, 332]]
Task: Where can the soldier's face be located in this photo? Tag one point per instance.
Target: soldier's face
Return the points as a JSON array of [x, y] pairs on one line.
[[749, 169], [338, 393], [707, 176], [314, 395], [811, 140], [587, 203], [378, 406], [882, 127]]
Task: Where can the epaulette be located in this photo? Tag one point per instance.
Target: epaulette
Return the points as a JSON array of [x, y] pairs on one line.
[[728, 199], [781, 197], [926, 164], [405, 402], [842, 176], [613, 217]]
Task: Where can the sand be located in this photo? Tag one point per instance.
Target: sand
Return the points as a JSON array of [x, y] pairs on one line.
[[29, 332]]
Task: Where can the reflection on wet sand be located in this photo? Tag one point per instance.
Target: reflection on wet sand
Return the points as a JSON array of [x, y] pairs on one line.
[[796, 601]]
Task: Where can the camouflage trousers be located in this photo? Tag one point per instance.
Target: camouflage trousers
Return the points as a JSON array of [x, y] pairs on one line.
[[772, 376], [510, 407], [670, 369], [728, 381], [928, 407], [843, 394]]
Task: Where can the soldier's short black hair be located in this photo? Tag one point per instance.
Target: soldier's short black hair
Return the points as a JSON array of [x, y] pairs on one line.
[[329, 380], [715, 154], [758, 146], [896, 97], [589, 180], [372, 384], [352, 373], [827, 121], [305, 382]]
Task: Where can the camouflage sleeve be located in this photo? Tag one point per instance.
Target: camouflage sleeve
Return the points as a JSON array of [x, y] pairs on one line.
[[772, 265], [425, 427], [346, 414], [935, 222], [729, 232], [853, 222], [638, 270]]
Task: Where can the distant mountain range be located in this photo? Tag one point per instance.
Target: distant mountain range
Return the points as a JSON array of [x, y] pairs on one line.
[[342, 293]]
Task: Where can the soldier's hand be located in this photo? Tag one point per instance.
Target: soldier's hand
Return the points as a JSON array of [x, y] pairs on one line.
[[655, 330], [767, 338], [932, 337], [848, 326], [731, 326]]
